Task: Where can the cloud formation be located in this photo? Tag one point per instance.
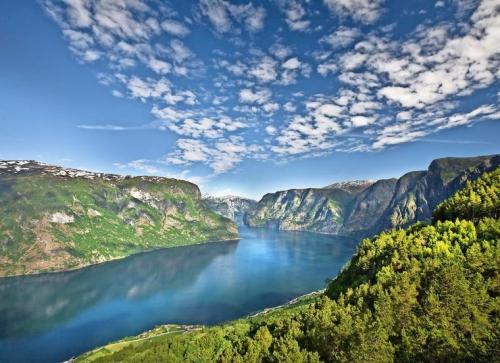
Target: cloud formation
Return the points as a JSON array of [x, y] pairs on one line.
[[237, 80]]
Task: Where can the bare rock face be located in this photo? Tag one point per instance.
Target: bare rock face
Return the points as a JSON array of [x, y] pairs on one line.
[[362, 208], [230, 206]]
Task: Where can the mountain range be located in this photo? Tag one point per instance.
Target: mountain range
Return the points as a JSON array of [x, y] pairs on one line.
[[230, 206], [362, 208], [56, 218]]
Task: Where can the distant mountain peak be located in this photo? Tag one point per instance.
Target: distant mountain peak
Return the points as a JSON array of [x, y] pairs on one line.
[[351, 186], [226, 197], [230, 206]]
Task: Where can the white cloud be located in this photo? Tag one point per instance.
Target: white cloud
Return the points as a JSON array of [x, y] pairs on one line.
[[175, 27], [342, 37], [159, 66], [364, 107], [103, 127], [289, 107], [458, 119], [117, 93], [222, 14], [149, 88], [180, 51], [291, 64], [271, 107], [295, 15], [237, 69], [120, 32], [206, 127], [360, 121], [170, 114], [78, 13], [271, 130], [399, 137], [280, 51], [364, 11], [221, 156], [400, 91], [264, 70], [325, 68], [260, 97], [188, 151]]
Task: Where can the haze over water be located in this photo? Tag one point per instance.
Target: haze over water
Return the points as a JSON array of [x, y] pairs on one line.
[[52, 317]]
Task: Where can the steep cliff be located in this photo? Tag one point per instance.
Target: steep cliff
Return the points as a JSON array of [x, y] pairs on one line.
[[230, 206], [319, 210], [364, 207]]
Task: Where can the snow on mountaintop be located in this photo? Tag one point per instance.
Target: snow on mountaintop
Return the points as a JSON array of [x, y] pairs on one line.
[[19, 167], [351, 186]]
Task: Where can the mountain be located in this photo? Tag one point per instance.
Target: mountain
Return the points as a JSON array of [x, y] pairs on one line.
[[362, 208], [230, 206], [428, 293], [353, 186], [54, 218]]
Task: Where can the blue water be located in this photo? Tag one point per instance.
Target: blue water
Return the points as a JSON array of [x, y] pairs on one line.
[[52, 317]]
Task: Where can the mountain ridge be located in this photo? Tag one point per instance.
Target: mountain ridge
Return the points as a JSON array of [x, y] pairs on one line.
[[230, 206], [56, 218], [339, 209]]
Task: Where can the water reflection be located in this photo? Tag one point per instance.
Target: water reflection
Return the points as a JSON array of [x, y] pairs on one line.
[[33, 304]]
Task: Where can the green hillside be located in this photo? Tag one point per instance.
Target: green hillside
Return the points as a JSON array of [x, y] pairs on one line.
[[429, 293], [56, 219]]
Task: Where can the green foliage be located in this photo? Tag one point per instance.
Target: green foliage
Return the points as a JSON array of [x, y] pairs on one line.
[[108, 221], [424, 294], [480, 198]]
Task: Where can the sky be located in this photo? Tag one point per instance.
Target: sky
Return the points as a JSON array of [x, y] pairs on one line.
[[249, 97]]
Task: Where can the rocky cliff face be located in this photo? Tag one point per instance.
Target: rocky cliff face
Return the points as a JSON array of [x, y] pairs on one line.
[[318, 210], [362, 208], [55, 218], [230, 206]]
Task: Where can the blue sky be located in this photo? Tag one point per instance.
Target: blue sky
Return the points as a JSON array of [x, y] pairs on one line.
[[248, 97]]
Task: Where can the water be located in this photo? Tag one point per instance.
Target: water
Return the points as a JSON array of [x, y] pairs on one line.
[[52, 317]]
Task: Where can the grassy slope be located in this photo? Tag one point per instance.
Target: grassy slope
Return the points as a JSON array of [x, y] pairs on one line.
[[429, 293], [108, 221]]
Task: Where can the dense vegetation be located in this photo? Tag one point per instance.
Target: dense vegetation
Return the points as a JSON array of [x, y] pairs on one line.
[[52, 222], [430, 293], [477, 200]]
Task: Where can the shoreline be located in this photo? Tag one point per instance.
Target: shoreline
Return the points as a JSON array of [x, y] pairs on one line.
[[76, 268], [287, 304], [114, 259], [185, 328]]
